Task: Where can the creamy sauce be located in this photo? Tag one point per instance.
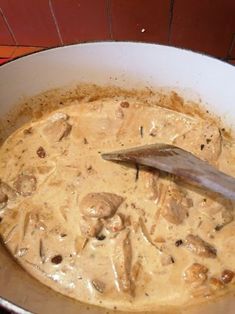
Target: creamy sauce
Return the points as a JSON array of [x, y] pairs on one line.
[[111, 234]]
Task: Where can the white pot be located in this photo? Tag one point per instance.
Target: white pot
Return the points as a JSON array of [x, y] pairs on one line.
[[124, 64]]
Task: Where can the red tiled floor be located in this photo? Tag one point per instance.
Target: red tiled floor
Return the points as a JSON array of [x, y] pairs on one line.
[[22, 51], [7, 51], [141, 20], [5, 36], [82, 20], [31, 22], [204, 25]]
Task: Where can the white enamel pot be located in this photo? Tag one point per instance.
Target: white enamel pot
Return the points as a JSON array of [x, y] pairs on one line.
[[128, 65]]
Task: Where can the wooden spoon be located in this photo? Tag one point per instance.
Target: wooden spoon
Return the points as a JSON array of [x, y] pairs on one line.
[[178, 161]]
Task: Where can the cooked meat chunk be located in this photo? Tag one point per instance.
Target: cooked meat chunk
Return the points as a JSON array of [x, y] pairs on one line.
[[219, 210], [196, 141], [90, 227], [115, 223], [174, 206], [196, 273], [100, 205], [57, 129], [200, 247], [25, 184], [122, 258], [148, 182]]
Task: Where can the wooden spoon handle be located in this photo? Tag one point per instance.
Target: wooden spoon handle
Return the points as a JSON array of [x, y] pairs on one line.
[[178, 161]]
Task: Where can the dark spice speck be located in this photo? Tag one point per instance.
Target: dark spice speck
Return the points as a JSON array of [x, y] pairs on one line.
[[202, 146], [101, 237], [218, 227], [124, 104], [57, 259], [41, 152], [141, 129], [178, 242]]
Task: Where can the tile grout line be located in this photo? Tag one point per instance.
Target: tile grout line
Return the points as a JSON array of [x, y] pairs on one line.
[[170, 19], [55, 22], [108, 12], [11, 33], [232, 44]]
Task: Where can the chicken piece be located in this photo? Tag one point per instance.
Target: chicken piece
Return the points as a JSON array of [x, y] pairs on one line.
[[200, 247], [219, 209], [196, 274], [57, 127], [100, 205], [156, 124], [99, 118], [115, 223], [204, 141], [90, 227], [175, 205], [121, 259], [148, 183], [25, 184]]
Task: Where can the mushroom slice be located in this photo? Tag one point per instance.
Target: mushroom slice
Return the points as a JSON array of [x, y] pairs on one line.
[[121, 259], [57, 128], [100, 205], [115, 223], [90, 227], [25, 184], [200, 247]]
